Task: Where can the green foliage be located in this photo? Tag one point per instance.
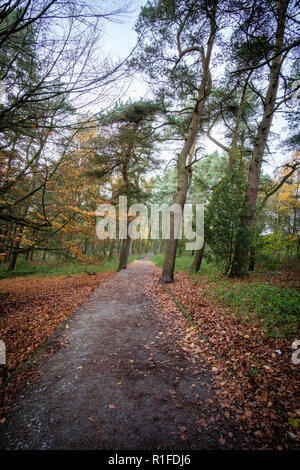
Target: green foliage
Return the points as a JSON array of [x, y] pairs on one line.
[[276, 251], [157, 52], [125, 148], [207, 174], [253, 51], [164, 187], [277, 242], [132, 112], [222, 219], [278, 308]]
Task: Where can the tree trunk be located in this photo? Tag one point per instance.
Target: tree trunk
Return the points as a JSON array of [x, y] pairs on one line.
[[85, 246], [183, 170], [184, 181], [13, 261], [111, 250], [243, 241], [171, 244], [14, 256], [252, 260], [196, 265], [124, 253]]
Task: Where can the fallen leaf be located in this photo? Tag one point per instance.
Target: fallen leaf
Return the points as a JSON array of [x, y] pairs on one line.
[[294, 422]]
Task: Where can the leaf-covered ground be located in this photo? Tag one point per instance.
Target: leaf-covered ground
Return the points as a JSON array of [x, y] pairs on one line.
[[119, 380], [263, 397], [31, 309]]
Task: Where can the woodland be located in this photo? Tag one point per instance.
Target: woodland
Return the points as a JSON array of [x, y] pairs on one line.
[[221, 74]]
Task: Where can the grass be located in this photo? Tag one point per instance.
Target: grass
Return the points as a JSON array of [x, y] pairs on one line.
[[183, 264], [136, 257], [56, 268], [277, 308], [39, 269]]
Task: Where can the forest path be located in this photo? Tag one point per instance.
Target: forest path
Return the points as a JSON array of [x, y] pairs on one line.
[[118, 382]]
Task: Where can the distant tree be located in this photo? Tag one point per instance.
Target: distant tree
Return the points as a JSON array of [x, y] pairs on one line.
[[125, 148]]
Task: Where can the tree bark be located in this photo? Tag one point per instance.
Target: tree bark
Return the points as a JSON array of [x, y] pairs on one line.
[[14, 256], [183, 171], [124, 253], [196, 264], [16, 245], [171, 244], [111, 249], [252, 260]]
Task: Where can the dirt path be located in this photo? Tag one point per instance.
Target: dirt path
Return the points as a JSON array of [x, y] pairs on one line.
[[118, 383]]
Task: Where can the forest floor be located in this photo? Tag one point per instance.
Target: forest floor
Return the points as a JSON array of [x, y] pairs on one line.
[[128, 371], [32, 308]]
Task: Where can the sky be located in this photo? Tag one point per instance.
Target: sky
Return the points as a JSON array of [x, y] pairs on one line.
[[119, 39], [121, 35]]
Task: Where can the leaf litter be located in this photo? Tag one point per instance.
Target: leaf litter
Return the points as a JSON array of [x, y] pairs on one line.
[[263, 397], [31, 309]]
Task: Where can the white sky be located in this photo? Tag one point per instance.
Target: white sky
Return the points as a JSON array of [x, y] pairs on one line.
[[120, 38]]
